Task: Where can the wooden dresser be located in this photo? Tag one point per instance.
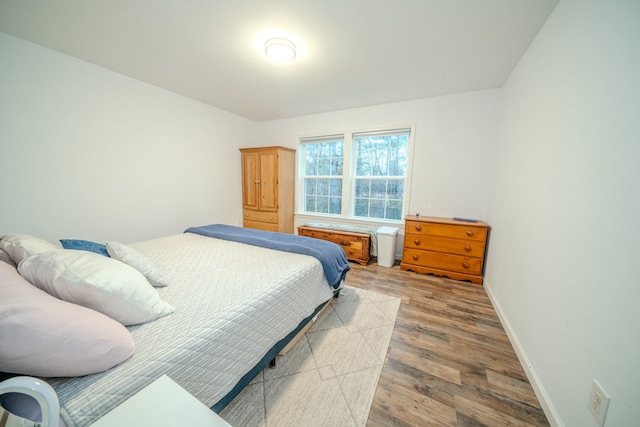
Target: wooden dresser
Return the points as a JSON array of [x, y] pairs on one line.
[[355, 245], [268, 179], [445, 247]]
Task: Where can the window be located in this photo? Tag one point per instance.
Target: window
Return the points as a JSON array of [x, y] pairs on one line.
[[365, 178], [381, 169], [323, 171]]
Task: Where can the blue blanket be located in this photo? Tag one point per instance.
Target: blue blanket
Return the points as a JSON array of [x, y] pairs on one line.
[[331, 256]]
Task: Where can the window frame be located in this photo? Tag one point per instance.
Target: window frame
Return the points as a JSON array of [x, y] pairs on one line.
[[349, 172]]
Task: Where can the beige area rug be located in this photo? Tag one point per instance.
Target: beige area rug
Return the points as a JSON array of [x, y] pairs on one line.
[[330, 377]]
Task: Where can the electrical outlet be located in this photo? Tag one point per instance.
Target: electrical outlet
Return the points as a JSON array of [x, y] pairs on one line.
[[598, 403]]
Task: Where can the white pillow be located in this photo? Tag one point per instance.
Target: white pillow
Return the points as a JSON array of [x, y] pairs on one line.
[[135, 259], [95, 281], [19, 246], [43, 336]]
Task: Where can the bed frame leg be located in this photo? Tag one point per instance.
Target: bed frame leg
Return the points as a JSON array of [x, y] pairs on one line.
[[272, 364]]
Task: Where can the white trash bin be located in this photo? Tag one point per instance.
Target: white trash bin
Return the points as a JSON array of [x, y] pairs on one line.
[[387, 245]]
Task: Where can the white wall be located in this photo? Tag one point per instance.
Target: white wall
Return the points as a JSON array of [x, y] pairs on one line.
[[89, 153], [565, 207], [453, 146]]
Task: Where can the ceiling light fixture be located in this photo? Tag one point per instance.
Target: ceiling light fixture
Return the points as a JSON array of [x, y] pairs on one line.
[[280, 50]]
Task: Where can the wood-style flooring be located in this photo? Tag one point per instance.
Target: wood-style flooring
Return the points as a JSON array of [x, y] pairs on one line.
[[450, 362]]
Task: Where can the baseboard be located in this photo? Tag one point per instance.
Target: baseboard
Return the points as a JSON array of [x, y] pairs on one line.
[[538, 388]]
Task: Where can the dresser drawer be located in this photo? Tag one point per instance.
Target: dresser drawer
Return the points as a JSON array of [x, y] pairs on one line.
[[472, 248], [467, 232], [443, 261], [257, 225], [261, 216]]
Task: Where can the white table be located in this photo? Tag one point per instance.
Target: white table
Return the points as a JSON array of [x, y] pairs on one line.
[[161, 403]]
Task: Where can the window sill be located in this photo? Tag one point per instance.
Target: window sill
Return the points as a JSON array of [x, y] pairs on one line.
[[301, 218]]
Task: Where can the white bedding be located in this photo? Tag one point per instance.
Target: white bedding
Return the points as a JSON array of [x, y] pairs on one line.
[[233, 302]]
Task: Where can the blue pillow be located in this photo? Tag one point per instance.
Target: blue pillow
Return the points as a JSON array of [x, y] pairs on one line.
[[85, 245]]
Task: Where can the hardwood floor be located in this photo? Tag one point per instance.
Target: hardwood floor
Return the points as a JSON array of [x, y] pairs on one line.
[[449, 363]]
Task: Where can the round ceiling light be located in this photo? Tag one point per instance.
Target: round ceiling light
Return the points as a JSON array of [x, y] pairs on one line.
[[280, 50]]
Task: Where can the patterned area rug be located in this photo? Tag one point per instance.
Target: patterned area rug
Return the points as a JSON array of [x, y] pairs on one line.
[[330, 377]]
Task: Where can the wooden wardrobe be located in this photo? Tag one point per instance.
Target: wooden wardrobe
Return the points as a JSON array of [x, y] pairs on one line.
[[268, 183]]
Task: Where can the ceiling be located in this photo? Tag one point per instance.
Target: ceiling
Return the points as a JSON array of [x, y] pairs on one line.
[[351, 53]]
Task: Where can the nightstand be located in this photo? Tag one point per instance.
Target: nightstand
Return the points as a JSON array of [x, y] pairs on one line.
[[162, 403]]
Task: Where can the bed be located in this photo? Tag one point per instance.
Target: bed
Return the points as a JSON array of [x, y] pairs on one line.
[[239, 296]]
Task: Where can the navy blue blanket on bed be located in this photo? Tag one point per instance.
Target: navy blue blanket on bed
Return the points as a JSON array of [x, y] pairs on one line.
[[331, 256]]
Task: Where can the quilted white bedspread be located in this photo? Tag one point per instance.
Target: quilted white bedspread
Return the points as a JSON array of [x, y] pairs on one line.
[[233, 303]]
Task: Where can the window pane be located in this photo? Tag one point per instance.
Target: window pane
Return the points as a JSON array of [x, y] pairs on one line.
[[338, 149], [322, 204], [310, 186], [395, 189], [382, 155], [324, 158], [380, 160], [362, 187], [323, 186], [376, 208], [311, 166], [325, 149], [394, 209], [324, 166], [362, 207], [310, 204], [335, 205], [336, 166], [398, 156], [363, 166], [335, 187], [378, 188], [311, 150]]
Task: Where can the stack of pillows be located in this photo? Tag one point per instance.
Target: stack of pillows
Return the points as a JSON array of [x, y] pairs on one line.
[[63, 311]]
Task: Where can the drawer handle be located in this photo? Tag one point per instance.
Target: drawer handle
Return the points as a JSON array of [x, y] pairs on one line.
[[469, 233], [418, 228], [415, 257], [416, 242], [345, 243], [467, 248], [465, 264]]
